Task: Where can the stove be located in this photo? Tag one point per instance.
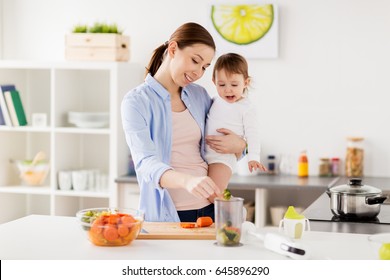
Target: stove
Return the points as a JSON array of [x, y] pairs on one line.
[[320, 211]]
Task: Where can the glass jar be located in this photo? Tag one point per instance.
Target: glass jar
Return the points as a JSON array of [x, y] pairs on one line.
[[271, 164], [324, 168], [336, 166], [354, 160]]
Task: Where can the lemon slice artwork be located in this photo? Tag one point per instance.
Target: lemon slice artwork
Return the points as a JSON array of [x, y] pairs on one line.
[[242, 24]]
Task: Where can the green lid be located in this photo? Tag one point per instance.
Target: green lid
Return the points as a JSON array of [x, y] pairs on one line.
[[292, 214]]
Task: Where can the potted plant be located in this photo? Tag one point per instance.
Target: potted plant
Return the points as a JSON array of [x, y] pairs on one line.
[[100, 41]]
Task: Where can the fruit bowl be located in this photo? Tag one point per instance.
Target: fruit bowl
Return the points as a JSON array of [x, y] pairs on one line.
[[111, 226], [32, 174], [380, 245]]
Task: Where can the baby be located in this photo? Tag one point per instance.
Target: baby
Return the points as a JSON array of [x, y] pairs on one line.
[[231, 109]]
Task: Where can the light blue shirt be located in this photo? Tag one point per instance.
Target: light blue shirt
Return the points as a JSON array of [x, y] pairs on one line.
[[147, 123]]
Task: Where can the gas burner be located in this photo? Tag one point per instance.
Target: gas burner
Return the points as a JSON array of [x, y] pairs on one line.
[[355, 219]]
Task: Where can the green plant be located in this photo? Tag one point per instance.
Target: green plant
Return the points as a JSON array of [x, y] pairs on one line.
[[97, 27], [80, 28]]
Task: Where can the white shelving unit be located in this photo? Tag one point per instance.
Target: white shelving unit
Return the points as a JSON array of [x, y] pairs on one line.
[[55, 88]]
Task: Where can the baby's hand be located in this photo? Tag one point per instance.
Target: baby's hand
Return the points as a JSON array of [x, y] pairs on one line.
[[254, 165]]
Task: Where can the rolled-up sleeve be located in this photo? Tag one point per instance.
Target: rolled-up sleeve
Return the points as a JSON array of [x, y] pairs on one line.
[[136, 124]]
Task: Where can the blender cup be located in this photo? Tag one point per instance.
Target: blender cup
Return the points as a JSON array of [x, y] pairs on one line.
[[228, 220]]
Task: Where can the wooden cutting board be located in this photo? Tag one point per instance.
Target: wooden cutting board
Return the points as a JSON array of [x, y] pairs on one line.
[[157, 230]]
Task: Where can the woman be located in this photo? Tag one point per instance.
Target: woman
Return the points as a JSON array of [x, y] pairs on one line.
[[164, 120]]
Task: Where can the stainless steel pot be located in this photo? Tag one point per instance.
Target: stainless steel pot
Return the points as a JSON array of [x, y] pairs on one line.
[[355, 200]]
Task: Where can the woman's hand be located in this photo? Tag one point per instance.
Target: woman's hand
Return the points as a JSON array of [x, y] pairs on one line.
[[229, 143], [202, 187]]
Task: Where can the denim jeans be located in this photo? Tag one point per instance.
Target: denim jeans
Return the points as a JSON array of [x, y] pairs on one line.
[[193, 215]]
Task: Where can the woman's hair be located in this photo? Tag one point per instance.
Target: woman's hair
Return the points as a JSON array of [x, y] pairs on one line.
[[186, 35], [232, 63]]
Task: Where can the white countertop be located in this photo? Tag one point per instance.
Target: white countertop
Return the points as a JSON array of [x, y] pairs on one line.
[[61, 238]]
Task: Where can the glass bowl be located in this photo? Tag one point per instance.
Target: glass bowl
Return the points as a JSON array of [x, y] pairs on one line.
[[111, 226], [380, 244], [32, 175]]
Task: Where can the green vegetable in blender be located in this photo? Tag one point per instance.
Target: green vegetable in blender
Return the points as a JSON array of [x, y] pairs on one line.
[[227, 194], [229, 235]]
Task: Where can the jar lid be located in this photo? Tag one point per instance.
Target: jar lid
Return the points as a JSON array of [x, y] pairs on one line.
[[355, 187], [355, 139]]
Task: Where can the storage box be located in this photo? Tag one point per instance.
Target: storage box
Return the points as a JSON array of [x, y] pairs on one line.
[[97, 46]]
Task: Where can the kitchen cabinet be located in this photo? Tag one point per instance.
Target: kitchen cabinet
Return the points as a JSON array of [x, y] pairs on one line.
[[54, 89], [128, 195], [264, 190]]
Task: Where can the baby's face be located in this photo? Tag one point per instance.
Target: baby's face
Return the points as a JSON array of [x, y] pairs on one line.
[[230, 86]]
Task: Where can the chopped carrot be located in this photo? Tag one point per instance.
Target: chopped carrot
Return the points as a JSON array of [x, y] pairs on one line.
[[128, 220], [204, 221], [113, 219], [123, 230], [110, 233], [187, 225]]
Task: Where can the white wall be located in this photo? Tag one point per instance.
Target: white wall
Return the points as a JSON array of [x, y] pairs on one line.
[[328, 83]]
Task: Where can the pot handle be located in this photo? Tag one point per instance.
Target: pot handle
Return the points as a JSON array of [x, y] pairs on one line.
[[375, 200], [328, 192]]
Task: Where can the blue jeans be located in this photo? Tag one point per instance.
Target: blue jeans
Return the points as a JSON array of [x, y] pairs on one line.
[[193, 215]]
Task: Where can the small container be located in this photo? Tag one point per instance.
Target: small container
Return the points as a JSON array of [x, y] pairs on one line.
[[271, 164], [324, 169], [336, 166], [228, 220], [354, 160], [303, 165]]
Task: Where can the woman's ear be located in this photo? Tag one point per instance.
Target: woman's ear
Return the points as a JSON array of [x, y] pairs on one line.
[[172, 47]]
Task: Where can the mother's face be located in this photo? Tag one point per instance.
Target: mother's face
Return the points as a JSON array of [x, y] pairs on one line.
[[189, 64]]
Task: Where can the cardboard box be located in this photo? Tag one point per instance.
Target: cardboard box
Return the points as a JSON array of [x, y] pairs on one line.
[[97, 46]]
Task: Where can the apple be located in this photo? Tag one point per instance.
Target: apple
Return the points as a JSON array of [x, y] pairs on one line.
[[384, 251]]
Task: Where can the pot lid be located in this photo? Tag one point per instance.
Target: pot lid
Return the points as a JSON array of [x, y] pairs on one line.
[[355, 187]]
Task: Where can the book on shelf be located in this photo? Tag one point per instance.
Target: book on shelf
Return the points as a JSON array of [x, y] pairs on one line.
[[2, 121], [15, 108], [4, 112]]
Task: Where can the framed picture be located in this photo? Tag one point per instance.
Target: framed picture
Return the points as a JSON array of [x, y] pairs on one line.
[[248, 29]]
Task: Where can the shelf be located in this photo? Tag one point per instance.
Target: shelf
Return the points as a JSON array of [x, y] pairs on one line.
[[43, 190], [76, 130], [82, 194], [24, 129], [55, 89]]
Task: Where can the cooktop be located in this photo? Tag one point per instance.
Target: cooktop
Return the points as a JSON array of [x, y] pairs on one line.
[[320, 211]]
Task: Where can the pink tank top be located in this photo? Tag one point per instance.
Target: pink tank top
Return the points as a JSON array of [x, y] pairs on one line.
[[186, 158]]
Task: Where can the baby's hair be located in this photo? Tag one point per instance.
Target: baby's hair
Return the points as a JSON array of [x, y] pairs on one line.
[[232, 63]]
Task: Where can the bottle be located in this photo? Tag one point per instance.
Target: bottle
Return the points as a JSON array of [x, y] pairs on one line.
[[335, 166], [324, 168], [271, 164], [303, 165], [355, 157]]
